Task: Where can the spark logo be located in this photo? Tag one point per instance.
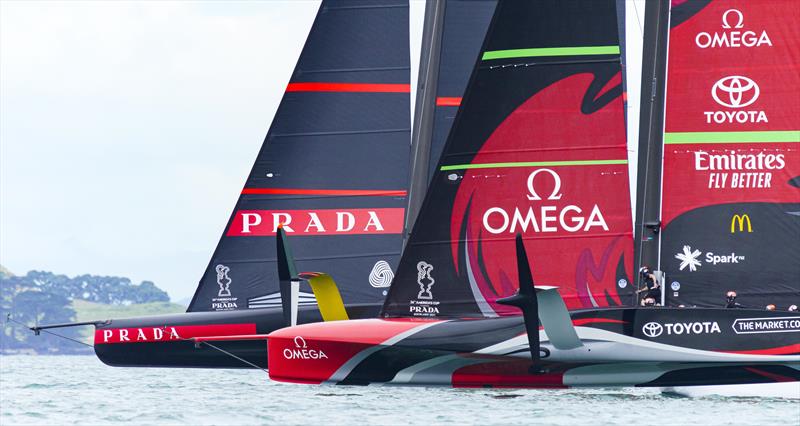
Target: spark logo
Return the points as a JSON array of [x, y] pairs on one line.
[[691, 258]]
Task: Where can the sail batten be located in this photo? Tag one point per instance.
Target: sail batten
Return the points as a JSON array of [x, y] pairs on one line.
[[550, 51], [774, 136]]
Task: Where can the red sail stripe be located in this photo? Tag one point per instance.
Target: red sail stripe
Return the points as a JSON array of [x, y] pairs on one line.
[[442, 101], [339, 192], [348, 87], [781, 350]]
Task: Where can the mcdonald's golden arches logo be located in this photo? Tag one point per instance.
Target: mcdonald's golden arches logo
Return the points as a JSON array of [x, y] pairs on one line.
[[741, 220]]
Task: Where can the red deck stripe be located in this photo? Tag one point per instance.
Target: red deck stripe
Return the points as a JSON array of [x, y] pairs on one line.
[[348, 87], [340, 192], [235, 337], [584, 321], [448, 101], [782, 350]]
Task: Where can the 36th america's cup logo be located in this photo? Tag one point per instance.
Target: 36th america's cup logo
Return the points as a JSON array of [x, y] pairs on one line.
[[425, 280], [224, 300], [223, 281], [424, 305]]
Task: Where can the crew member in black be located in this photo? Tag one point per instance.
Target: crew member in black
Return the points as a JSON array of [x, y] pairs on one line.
[[651, 286], [730, 300]]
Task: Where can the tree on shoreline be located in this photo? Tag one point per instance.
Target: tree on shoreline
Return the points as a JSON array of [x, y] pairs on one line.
[[41, 297]]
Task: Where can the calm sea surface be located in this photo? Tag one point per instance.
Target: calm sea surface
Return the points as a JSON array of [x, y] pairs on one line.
[[82, 390]]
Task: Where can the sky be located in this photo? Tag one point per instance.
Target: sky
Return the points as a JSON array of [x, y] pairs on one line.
[[128, 128]]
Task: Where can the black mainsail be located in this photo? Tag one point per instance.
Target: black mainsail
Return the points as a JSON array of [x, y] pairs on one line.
[[333, 168], [537, 147]]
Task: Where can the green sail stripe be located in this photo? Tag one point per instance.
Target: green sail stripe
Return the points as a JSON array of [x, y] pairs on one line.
[[532, 164], [550, 51], [731, 137]]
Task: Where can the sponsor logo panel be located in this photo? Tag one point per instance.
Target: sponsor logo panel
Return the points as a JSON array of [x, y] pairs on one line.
[[766, 325], [655, 329], [544, 216], [424, 305], [738, 169], [301, 350], [733, 34], [734, 93], [259, 223], [381, 275], [741, 220], [693, 258], [168, 333], [224, 300]]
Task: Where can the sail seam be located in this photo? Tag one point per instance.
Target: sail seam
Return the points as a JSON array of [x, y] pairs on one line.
[[776, 136], [334, 192], [530, 237], [308, 258], [349, 87], [550, 51], [533, 164], [322, 71], [341, 132]]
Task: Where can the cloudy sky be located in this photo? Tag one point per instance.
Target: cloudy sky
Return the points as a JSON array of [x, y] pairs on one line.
[[127, 129]]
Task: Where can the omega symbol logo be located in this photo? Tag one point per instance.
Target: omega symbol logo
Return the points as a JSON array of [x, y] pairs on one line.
[[300, 342], [652, 329], [727, 15], [555, 195], [735, 91]]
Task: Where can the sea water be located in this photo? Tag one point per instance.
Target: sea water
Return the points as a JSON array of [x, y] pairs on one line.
[[82, 390]]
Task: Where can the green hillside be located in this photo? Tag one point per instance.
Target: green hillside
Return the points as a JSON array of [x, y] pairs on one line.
[[91, 311], [5, 272]]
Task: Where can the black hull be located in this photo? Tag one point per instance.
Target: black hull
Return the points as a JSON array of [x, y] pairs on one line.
[[619, 347], [172, 347]]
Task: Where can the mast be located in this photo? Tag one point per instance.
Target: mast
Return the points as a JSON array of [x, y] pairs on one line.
[[422, 130], [648, 188]]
